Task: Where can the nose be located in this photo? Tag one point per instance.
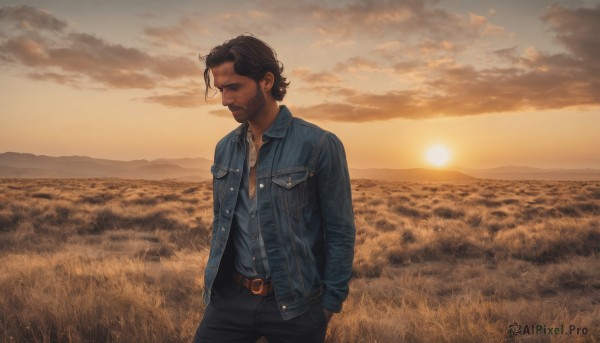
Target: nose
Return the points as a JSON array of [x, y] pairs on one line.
[[227, 98]]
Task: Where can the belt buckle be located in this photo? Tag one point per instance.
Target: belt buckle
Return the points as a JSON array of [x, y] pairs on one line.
[[256, 286]]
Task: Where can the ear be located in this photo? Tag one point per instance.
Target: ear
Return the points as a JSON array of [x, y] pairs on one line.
[[268, 81]]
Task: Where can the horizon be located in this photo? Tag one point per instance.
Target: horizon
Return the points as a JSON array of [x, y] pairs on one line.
[[491, 84], [438, 168]]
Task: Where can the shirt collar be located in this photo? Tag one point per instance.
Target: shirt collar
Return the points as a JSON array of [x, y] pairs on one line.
[[277, 130]]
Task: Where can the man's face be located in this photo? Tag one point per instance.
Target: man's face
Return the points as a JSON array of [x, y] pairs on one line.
[[242, 95]]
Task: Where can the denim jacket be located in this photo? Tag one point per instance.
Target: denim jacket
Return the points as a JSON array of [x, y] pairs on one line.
[[304, 208]]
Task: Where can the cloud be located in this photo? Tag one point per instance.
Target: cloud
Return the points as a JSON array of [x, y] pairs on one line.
[[463, 91], [507, 54], [483, 27], [223, 113], [533, 80], [174, 67], [109, 64], [423, 52], [415, 43], [409, 66], [185, 96], [53, 54], [396, 18], [31, 18], [182, 99], [326, 43], [306, 75], [430, 47], [179, 34], [259, 23], [62, 79], [356, 64], [388, 49], [323, 83], [577, 29]]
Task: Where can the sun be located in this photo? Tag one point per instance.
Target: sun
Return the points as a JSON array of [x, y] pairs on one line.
[[438, 155]]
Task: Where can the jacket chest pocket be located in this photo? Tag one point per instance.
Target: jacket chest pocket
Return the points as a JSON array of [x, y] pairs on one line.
[[292, 192], [219, 181]]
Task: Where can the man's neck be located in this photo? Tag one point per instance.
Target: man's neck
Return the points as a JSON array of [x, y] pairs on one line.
[[261, 124]]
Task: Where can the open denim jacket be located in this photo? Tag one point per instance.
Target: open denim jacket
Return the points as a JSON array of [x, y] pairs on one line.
[[304, 208]]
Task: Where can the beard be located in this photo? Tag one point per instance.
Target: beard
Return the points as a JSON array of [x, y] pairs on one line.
[[253, 109]]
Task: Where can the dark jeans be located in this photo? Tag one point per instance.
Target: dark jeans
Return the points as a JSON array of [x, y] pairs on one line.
[[234, 314]]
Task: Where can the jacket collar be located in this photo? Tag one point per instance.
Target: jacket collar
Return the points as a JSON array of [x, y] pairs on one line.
[[277, 130]]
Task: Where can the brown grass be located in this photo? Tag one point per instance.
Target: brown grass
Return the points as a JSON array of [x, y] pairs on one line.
[[104, 260]]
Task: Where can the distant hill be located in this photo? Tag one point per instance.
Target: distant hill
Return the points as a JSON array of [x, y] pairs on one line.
[[529, 173], [414, 174], [185, 169], [470, 174], [21, 165]]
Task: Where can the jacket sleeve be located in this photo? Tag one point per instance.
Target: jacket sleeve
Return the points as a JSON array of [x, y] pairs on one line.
[[335, 196]]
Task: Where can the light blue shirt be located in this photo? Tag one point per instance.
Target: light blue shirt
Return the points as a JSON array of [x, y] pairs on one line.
[[251, 257]]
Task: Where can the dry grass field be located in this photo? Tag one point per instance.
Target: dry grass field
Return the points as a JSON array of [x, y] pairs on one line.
[[103, 260]]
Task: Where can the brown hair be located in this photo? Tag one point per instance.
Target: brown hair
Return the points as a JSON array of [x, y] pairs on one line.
[[251, 57]]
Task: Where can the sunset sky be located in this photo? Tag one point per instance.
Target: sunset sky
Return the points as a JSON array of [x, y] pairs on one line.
[[493, 82]]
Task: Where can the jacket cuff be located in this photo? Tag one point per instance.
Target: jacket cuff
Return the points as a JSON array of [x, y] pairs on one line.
[[331, 302]]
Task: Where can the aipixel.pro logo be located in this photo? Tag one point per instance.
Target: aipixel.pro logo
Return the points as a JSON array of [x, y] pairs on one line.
[[540, 329]]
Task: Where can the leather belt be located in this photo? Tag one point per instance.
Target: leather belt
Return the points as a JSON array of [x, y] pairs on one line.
[[256, 286]]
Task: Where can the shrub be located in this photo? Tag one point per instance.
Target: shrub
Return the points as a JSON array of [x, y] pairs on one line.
[[407, 211], [97, 199], [47, 196], [447, 212]]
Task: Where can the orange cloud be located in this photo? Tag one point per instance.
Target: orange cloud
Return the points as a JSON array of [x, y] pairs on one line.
[[180, 33], [261, 24], [466, 91], [185, 96], [535, 81], [481, 24], [323, 83], [71, 58], [181, 99], [433, 82], [83, 54], [429, 47], [355, 64], [318, 78], [381, 18], [62, 79]]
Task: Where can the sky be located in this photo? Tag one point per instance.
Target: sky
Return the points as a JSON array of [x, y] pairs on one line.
[[495, 83]]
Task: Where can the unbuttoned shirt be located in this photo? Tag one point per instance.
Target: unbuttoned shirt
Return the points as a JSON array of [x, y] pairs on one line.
[[251, 257]]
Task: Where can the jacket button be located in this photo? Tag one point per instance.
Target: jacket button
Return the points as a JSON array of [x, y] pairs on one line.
[[283, 307], [222, 229], [231, 189], [261, 185], [226, 211]]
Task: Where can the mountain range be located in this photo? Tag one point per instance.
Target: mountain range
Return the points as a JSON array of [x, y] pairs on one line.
[[24, 165]]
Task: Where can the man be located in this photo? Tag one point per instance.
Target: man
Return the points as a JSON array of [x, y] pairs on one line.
[[283, 230]]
